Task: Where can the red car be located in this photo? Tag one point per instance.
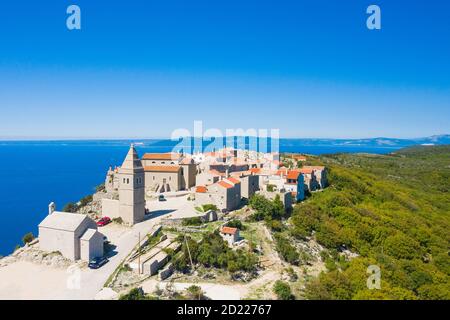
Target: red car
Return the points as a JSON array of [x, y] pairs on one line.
[[103, 221]]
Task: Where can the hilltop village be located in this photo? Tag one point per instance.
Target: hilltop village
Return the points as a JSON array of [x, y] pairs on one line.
[[172, 223]]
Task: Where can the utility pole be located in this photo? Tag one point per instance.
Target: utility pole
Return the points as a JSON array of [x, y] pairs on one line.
[[189, 251], [139, 253]]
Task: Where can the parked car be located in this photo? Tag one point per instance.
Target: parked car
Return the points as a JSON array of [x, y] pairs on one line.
[[97, 262], [103, 221], [161, 197]]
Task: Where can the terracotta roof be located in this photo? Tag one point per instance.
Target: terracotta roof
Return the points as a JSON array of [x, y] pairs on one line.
[[282, 171], [255, 170], [201, 189], [161, 156], [162, 168], [306, 170], [228, 230], [293, 174], [224, 184], [234, 180]]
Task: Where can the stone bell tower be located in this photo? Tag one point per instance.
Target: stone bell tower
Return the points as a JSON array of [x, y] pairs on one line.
[[131, 188]]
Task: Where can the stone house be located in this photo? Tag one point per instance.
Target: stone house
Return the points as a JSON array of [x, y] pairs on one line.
[[230, 235], [74, 235]]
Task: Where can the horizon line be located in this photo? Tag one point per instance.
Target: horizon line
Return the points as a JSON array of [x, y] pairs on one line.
[[28, 138]]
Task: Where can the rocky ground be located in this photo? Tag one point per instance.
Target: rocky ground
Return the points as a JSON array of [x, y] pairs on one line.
[[31, 253]]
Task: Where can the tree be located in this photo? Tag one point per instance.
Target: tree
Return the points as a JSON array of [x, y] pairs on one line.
[[235, 223], [28, 238], [86, 200], [287, 251], [283, 290], [277, 208], [195, 293], [401, 246], [70, 207], [134, 294], [262, 206]]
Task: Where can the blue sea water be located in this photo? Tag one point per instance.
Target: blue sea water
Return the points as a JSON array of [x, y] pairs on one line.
[[38, 172]]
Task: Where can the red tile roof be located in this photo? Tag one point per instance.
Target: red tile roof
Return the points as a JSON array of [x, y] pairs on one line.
[[201, 189], [162, 168], [306, 170], [255, 170], [161, 156], [228, 230], [234, 180], [293, 174], [224, 184]]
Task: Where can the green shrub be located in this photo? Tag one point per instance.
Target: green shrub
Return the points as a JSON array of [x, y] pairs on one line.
[[28, 238], [283, 290]]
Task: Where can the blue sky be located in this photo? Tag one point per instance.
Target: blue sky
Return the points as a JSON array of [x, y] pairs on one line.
[[145, 68]]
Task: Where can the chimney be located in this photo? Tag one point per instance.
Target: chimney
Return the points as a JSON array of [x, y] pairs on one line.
[[51, 208]]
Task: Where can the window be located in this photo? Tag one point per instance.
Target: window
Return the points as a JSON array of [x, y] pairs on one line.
[[153, 178], [128, 181], [170, 178]]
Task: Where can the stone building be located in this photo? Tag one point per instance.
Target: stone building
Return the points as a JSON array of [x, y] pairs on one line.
[[225, 194], [130, 206], [74, 235], [230, 235], [167, 172]]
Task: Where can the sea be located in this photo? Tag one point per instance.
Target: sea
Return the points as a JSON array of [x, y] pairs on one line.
[[36, 173]]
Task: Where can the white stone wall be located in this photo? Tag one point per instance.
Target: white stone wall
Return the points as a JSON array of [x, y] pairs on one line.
[[51, 240], [110, 208], [92, 248]]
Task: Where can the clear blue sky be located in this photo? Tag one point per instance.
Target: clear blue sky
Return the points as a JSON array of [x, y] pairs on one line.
[[144, 68]]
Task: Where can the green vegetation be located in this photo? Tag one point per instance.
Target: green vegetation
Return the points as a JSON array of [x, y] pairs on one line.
[[117, 220], [266, 209], [85, 201], [271, 187], [28, 238], [213, 251], [194, 221], [154, 239], [70, 207], [235, 223], [207, 207], [195, 293], [394, 211], [100, 187], [287, 251], [74, 207], [136, 294], [283, 290]]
